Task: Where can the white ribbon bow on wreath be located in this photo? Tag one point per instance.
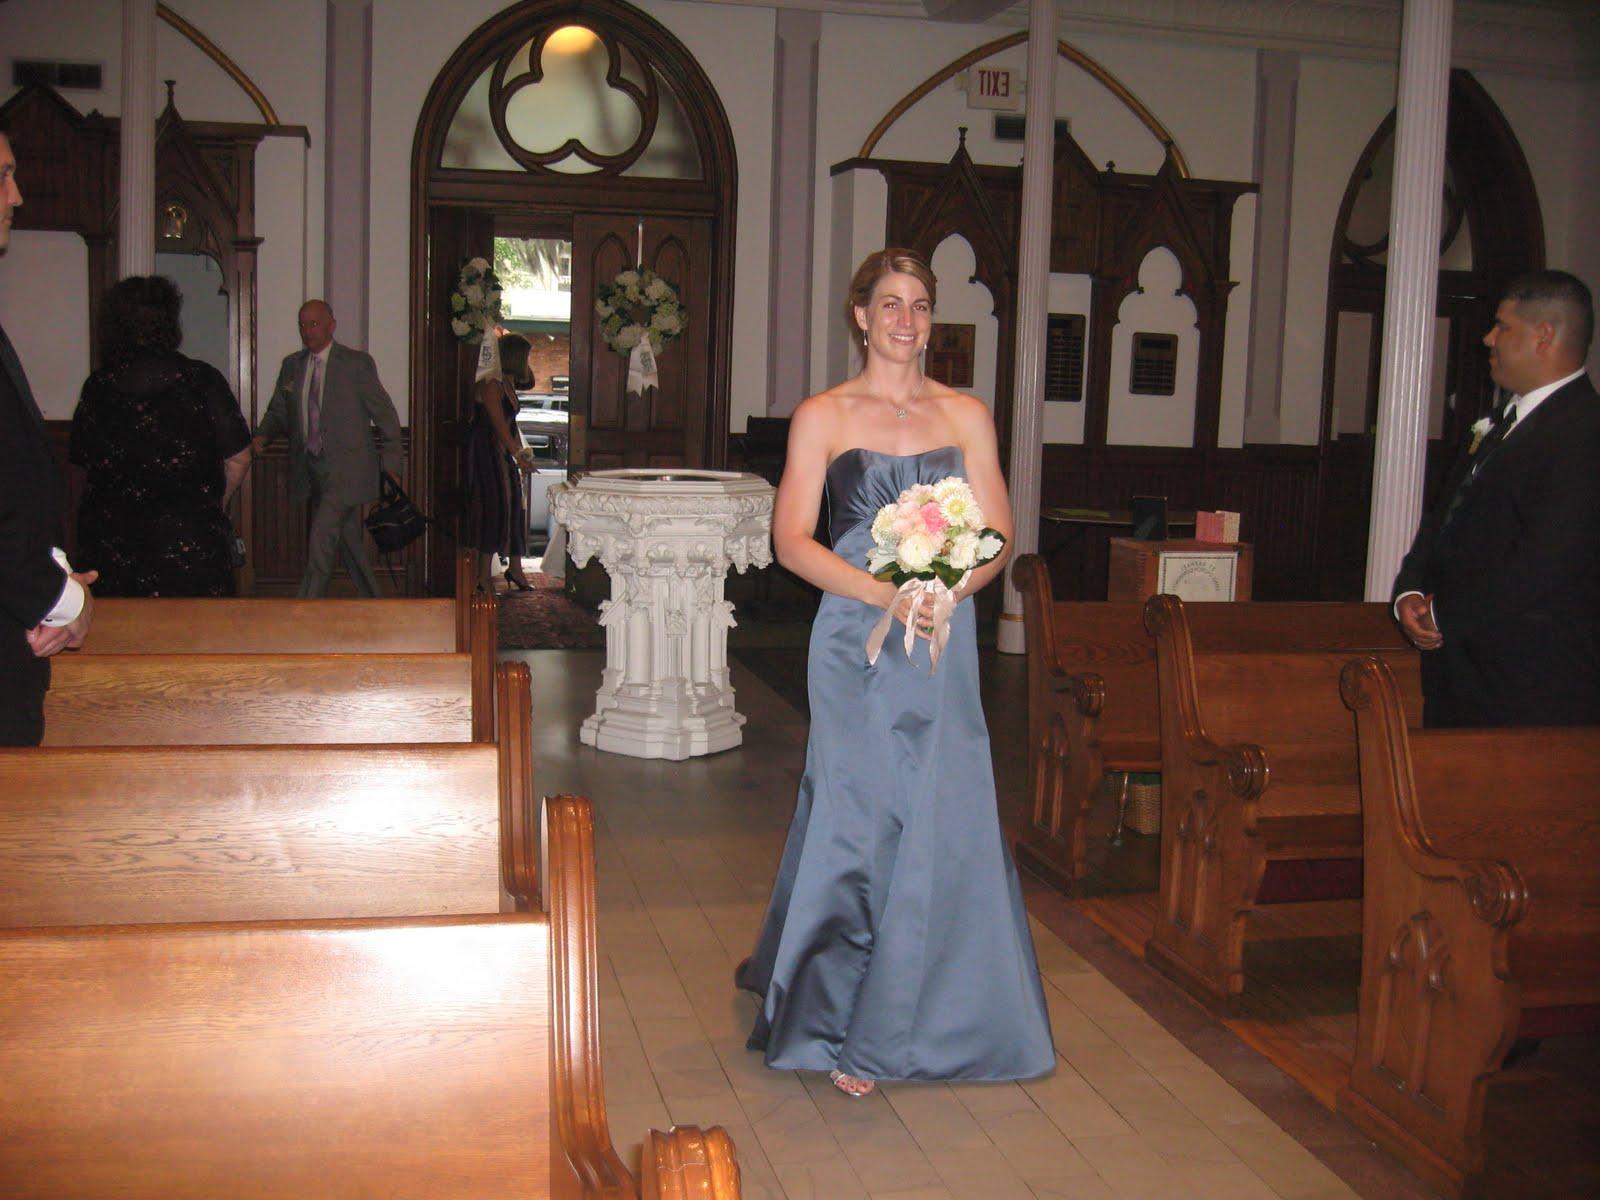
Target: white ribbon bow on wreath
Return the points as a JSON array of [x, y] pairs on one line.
[[640, 315]]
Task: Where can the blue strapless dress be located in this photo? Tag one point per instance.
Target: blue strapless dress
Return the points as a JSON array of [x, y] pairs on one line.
[[895, 945]]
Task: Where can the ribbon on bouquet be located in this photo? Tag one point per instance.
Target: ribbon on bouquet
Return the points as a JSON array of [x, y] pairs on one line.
[[944, 606]]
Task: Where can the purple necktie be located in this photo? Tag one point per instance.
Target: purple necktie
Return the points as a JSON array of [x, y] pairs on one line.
[[314, 408]]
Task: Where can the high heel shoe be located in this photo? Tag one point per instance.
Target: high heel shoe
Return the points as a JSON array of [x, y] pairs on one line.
[[522, 585]]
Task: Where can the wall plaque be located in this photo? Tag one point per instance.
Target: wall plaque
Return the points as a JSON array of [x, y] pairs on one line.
[[950, 354]]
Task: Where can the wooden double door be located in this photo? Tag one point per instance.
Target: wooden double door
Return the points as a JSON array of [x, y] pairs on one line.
[[663, 426]]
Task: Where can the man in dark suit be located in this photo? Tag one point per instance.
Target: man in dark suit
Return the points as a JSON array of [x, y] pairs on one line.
[[44, 607], [326, 399], [1501, 587]]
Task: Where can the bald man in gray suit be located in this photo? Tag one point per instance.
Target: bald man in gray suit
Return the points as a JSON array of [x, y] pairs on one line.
[[326, 401]]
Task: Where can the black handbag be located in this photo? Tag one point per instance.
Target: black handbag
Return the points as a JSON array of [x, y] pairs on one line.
[[396, 522]]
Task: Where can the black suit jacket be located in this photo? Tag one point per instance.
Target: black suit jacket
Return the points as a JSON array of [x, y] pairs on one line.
[[1515, 575], [30, 524]]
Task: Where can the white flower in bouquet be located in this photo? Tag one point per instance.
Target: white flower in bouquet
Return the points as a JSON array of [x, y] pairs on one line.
[[478, 264], [459, 327], [926, 543], [916, 551], [657, 290], [944, 528], [628, 279], [628, 337], [472, 294]]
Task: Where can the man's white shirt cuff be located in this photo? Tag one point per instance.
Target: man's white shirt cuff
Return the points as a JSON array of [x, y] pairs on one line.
[[70, 603], [1433, 609]]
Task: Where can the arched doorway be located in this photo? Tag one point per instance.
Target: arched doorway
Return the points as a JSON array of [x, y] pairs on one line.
[[583, 121], [1491, 232]]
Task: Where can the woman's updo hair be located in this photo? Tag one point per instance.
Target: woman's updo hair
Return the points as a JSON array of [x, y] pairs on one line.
[[892, 260], [141, 312], [514, 351]]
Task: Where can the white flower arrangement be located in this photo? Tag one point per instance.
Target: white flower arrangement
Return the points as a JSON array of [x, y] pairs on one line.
[[475, 304], [932, 531], [927, 542], [639, 306]]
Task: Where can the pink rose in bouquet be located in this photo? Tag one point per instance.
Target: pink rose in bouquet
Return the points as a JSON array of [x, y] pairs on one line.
[[927, 542]]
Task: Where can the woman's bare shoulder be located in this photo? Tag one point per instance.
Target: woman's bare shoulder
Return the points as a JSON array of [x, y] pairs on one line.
[[961, 409]]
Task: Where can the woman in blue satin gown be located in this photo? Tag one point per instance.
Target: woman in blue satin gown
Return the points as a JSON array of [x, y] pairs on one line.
[[895, 945]]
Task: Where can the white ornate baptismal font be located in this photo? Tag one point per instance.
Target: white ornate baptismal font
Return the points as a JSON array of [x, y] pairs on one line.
[[666, 538]]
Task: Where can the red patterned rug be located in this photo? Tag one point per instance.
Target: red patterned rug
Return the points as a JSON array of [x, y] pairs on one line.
[[546, 618]]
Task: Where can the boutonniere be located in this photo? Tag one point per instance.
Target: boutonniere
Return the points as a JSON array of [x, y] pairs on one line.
[[1480, 429]]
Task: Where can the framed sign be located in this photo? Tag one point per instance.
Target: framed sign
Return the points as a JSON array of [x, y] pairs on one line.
[[950, 354], [1198, 575]]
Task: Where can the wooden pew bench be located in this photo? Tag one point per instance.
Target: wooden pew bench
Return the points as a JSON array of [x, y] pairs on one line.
[[235, 699], [1480, 918], [436, 1057], [1093, 696], [144, 834], [1091, 709], [466, 625], [1260, 795]]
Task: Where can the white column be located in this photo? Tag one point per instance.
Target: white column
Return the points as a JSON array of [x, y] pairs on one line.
[[1277, 82], [1033, 305], [136, 196], [346, 166], [794, 156], [1411, 290]]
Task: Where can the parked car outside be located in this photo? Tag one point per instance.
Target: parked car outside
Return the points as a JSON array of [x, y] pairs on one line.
[[542, 425]]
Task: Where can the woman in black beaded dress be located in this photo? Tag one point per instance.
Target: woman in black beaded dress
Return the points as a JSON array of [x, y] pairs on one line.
[[163, 446]]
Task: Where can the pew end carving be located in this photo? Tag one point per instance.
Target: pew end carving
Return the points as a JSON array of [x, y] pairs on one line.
[[1260, 799], [1480, 920]]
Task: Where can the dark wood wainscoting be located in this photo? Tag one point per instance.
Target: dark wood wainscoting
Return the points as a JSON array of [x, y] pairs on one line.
[[1273, 488], [275, 533]]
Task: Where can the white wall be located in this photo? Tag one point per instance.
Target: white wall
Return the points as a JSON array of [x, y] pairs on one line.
[[1339, 106], [964, 301], [287, 69], [1138, 420], [44, 306], [1203, 93]]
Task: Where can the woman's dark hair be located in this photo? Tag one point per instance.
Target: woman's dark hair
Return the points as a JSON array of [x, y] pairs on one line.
[[514, 351], [892, 260], [141, 312]]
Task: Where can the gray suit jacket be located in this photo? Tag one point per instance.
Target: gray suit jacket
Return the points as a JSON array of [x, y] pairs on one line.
[[352, 398]]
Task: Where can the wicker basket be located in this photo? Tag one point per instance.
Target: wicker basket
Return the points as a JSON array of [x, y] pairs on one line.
[[1144, 807]]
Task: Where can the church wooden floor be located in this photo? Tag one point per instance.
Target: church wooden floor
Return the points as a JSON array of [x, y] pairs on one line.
[[1151, 1097]]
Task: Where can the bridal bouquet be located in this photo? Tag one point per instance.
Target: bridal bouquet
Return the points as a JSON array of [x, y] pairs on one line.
[[927, 542]]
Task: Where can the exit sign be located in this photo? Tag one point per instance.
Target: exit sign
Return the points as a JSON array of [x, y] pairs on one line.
[[994, 87]]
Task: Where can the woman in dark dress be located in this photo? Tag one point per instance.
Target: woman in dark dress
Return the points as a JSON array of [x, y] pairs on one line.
[[497, 522], [164, 446]]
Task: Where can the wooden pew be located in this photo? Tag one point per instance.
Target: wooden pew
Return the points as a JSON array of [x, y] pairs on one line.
[[437, 1057], [1091, 709], [1260, 797], [1480, 918], [238, 699], [146, 834], [468, 624]]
